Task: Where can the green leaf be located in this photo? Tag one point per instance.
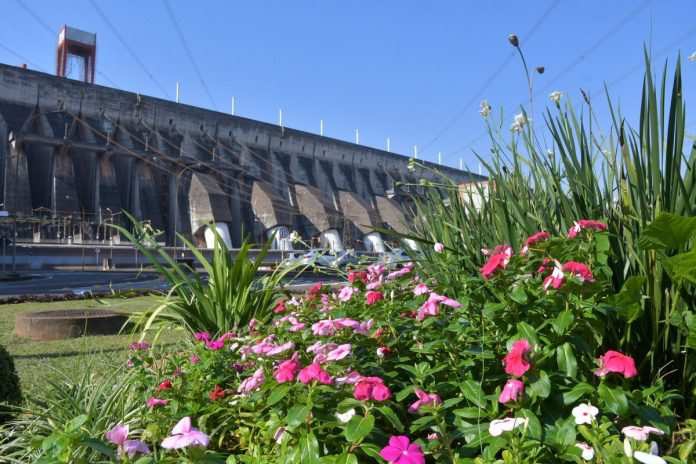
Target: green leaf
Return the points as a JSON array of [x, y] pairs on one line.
[[681, 267], [577, 392], [562, 322], [566, 359], [309, 449], [528, 332], [614, 399], [100, 447], [541, 388], [534, 429], [668, 232], [628, 301], [277, 394], [391, 417], [359, 427], [297, 415], [76, 423], [472, 391]]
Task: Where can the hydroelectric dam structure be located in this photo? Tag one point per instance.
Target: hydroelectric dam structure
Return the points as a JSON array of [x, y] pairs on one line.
[[75, 155]]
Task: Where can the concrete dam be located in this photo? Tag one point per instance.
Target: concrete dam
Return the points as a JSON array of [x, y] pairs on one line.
[[75, 155]]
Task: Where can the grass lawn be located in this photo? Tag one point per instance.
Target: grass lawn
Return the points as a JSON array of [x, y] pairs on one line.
[[38, 361]]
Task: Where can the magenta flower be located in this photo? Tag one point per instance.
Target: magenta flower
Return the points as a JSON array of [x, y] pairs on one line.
[[424, 399], [516, 361], [533, 240], [586, 224], [371, 388], [579, 270], [215, 345], [287, 370], [314, 373], [512, 391], [252, 383], [119, 437], [194, 359], [400, 450], [202, 336], [555, 279], [498, 260], [619, 363], [373, 296], [439, 247], [153, 402], [183, 436]]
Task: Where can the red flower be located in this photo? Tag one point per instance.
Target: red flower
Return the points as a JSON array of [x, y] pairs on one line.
[[498, 260], [579, 270], [586, 224], [516, 362], [354, 276], [616, 362], [166, 385], [217, 394], [314, 289], [533, 240], [371, 388], [373, 296], [279, 307]]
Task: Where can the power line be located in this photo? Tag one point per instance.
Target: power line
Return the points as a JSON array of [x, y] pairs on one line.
[[190, 56], [489, 80], [128, 48]]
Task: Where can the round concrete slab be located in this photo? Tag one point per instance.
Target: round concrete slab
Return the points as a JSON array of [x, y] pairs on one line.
[[60, 324]]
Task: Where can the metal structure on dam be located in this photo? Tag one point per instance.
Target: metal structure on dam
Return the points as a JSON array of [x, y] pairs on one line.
[[74, 155]]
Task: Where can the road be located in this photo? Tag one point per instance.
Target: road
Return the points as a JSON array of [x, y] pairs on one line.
[[74, 282]]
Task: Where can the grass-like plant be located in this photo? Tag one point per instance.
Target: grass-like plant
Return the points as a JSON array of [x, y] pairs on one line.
[[626, 177], [227, 295]]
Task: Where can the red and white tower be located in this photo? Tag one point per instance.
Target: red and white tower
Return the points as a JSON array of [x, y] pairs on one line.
[[77, 54]]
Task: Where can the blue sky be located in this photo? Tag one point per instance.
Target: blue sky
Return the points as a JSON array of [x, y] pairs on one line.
[[410, 70]]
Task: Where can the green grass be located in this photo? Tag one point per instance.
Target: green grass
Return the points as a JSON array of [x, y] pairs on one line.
[[38, 361]]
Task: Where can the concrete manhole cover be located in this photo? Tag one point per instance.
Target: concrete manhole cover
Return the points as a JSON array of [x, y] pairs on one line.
[[60, 324]]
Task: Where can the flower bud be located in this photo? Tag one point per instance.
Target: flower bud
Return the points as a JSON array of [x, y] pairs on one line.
[[512, 38]]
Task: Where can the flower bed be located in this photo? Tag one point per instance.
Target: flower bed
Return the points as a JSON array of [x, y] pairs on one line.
[[391, 368]]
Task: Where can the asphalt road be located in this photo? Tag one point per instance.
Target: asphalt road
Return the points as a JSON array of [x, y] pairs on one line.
[[77, 282]]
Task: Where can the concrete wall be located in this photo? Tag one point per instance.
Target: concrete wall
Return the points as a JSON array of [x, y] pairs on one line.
[[85, 151]]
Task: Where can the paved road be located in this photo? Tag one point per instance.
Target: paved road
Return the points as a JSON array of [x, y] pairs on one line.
[[62, 282], [79, 282]]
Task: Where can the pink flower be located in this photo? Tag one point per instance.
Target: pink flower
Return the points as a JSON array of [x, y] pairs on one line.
[[439, 247], [202, 336], [579, 270], [424, 399], [314, 373], [374, 272], [586, 224], [498, 260], [279, 307], [183, 436], [119, 437], [640, 433], [405, 270], [194, 359], [351, 378], [277, 349], [153, 402], [346, 293], [401, 451], [613, 361], [555, 279], [341, 352], [533, 240], [357, 276], [431, 306], [287, 370], [371, 388], [420, 289], [139, 346], [215, 344], [252, 383], [512, 391], [516, 362], [373, 296]]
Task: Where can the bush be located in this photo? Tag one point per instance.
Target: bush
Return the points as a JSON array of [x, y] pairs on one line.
[[10, 391]]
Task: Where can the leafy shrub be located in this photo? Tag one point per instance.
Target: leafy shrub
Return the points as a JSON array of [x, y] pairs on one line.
[[226, 297], [623, 176], [514, 368], [10, 391]]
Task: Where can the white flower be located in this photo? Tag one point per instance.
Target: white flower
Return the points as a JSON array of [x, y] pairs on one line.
[[485, 109], [587, 451], [346, 416], [640, 433], [628, 450], [519, 122], [585, 413], [692, 57], [497, 427], [555, 96], [648, 458]]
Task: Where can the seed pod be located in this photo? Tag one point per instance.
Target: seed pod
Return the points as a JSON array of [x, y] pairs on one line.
[[512, 38]]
